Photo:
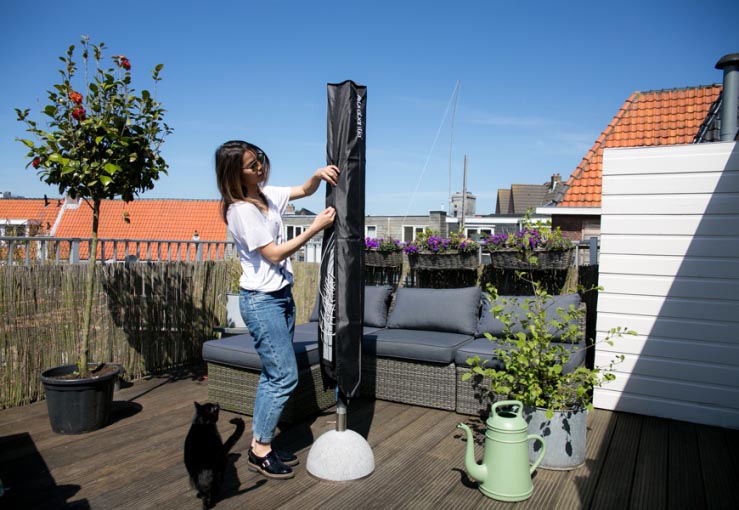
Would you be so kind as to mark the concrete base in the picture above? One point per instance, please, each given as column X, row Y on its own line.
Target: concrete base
column 340, row 456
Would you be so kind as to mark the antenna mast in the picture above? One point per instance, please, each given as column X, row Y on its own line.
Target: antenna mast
column 464, row 196
column 451, row 140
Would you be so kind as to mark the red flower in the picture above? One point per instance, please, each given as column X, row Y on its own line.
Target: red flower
column 36, row 162
column 79, row 113
column 76, row 97
column 125, row 64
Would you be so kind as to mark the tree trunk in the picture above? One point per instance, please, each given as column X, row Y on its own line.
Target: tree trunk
column 89, row 293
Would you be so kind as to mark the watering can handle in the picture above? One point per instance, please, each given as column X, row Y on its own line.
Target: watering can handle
column 541, row 454
column 502, row 403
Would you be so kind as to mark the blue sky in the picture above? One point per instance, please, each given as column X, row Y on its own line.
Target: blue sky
column 539, row 81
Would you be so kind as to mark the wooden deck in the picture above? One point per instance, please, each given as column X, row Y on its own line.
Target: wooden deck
column 633, row 462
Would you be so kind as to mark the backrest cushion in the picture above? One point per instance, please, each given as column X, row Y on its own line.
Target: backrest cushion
column 376, row 303
column 452, row 310
column 489, row 324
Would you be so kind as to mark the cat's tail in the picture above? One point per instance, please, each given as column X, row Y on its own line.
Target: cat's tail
column 231, row 441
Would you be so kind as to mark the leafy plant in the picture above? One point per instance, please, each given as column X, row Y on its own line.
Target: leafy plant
column 534, row 360
column 234, row 274
column 431, row 241
column 382, row 244
column 100, row 141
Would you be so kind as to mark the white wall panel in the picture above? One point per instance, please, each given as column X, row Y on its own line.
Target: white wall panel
column 676, row 224
column 700, row 333
column 669, row 267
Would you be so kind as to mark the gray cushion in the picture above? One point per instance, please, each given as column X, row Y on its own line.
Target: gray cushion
column 485, row 349
column 479, row 347
column 416, row 345
column 451, row 310
column 376, row 303
column 308, row 332
column 489, row 324
column 238, row 350
column 314, row 313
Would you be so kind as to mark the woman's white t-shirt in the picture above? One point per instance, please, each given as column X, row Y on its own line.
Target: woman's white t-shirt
column 251, row 230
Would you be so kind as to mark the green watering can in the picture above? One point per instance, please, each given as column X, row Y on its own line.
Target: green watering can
column 505, row 472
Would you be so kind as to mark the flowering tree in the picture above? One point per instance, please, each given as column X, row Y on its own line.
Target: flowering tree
column 100, row 141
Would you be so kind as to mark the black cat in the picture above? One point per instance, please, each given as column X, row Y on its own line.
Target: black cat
column 206, row 454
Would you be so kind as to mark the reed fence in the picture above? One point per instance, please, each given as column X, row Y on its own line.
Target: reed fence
column 149, row 317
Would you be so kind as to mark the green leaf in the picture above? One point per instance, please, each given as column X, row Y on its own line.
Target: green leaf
column 111, row 168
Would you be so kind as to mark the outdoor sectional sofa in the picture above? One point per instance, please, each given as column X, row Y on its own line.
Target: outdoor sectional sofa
column 414, row 349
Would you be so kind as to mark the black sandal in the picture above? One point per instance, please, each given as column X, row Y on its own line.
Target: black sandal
column 270, row 465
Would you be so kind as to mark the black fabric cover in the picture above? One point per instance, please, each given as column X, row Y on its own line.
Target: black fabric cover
column 342, row 262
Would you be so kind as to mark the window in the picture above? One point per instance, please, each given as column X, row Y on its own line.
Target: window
column 410, row 232
column 477, row 233
column 370, row 231
column 13, row 230
column 294, row 231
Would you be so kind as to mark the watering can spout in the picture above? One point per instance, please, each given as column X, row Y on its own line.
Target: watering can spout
column 478, row 472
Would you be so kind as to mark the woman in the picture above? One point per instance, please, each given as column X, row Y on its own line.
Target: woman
column 253, row 212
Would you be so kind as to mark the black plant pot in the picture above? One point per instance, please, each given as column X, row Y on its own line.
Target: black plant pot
column 78, row 405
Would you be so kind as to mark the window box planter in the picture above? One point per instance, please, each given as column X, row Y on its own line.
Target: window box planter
column 377, row 258
column 443, row 260
column 514, row 258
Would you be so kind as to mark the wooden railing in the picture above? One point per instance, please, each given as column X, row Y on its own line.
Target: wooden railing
column 69, row 250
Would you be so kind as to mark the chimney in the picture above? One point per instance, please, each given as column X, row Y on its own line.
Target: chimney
column 730, row 96
column 71, row 202
column 556, row 179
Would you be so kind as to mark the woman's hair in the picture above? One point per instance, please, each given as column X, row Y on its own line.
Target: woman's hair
column 229, row 171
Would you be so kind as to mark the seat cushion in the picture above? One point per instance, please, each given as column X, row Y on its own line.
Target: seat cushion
column 485, row 349
column 450, row 310
column 414, row 345
column 239, row 351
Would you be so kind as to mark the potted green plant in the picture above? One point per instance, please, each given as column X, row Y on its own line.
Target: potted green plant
column 534, row 355
column 383, row 252
column 100, row 141
column 429, row 250
column 536, row 246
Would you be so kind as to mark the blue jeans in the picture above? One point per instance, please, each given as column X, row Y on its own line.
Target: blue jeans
column 270, row 317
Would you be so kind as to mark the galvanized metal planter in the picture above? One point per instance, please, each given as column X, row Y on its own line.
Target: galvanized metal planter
column 564, row 434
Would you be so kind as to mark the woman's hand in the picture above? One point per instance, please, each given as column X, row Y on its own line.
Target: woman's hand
column 329, row 173
column 324, row 219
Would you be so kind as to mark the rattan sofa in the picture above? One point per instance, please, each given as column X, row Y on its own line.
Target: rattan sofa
column 414, row 350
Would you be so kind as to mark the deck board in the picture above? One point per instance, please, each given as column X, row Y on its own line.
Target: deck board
column 686, row 489
column 136, row 462
column 649, row 490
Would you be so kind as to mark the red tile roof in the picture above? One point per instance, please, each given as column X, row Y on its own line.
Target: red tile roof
column 663, row 117
column 147, row 219
column 37, row 211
